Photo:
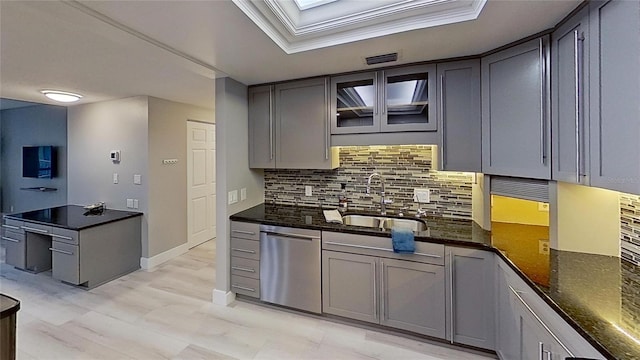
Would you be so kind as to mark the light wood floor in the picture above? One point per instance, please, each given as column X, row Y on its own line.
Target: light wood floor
column 166, row 313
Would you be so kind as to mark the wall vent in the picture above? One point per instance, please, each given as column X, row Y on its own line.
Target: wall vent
column 379, row 59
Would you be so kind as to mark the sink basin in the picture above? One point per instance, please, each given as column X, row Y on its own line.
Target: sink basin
column 386, row 223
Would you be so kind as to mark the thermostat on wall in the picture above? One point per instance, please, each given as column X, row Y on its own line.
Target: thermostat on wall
column 115, row 155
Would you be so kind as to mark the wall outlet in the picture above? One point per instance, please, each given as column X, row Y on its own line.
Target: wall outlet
column 308, row 190
column 115, row 178
column 243, row 194
column 421, row 195
column 233, row 197
column 543, row 206
column 543, row 246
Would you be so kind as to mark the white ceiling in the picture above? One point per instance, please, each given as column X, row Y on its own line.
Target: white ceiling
column 173, row 49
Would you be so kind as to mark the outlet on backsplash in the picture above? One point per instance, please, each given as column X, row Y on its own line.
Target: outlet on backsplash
column 404, row 168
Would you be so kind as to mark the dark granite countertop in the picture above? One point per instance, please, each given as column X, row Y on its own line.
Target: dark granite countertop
column 72, row 217
column 598, row 295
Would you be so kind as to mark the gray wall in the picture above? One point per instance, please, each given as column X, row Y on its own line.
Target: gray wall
column 26, row 126
column 168, row 183
column 232, row 167
column 93, row 131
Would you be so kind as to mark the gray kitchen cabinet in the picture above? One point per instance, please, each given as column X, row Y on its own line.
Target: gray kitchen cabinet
column 302, row 126
column 508, row 346
column 537, row 342
column 14, row 242
column 350, row 286
column 65, row 260
column 411, row 296
column 289, row 126
column 470, row 296
column 245, row 258
column 395, row 100
column 261, row 127
column 515, row 111
column 614, row 76
column 459, row 116
column 570, row 81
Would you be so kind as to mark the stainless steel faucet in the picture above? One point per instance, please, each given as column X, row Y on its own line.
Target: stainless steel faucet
column 383, row 202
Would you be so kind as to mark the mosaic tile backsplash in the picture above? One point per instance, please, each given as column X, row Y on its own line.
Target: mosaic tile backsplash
column 403, row 167
column 630, row 227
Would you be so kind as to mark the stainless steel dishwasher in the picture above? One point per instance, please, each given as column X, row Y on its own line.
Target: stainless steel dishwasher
column 290, row 272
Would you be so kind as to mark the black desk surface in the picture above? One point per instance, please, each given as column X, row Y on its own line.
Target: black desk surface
column 72, row 217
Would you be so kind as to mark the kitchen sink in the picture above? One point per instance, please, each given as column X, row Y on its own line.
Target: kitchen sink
column 385, row 223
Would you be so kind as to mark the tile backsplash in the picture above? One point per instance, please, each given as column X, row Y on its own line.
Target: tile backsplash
column 404, row 167
column 630, row 227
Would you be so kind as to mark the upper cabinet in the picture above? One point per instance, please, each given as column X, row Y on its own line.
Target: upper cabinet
column 614, row 93
column 459, row 116
column 515, row 111
column 289, row 126
column 400, row 99
column 570, row 50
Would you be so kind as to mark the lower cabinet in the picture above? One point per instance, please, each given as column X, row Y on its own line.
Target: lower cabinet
column 13, row 240
column 65, row 260
column 245, row 258
column 402, row 294
column 470, row 296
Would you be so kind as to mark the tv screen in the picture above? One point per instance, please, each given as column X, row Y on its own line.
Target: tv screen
column 39, row 162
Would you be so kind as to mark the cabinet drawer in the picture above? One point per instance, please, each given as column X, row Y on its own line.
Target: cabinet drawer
column 248, row 249
column 245, row 286
column 15, row 247
column 245, row 267
column 64, row 235
column 36, row 228
column 245, row 230
column 11, row 224
column 66, row 262
column 13, row 234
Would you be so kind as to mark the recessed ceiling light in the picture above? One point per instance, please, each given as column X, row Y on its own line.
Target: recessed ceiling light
column 61, row 96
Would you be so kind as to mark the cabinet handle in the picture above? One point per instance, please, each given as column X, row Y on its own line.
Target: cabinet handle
column 243, row 232
column 61, row 237
column 10, row 239
column 243, row 269
column 244, row 251
column 540, row 350
column 451, row 295
column 243, row 288
column 376, row 248
column 517, row 294
column 443, row 116
column 61, row 251
column 10, row 227
column 577, row 39
column 26, row 228
column 328, row 118
column 271, row 90
column 384, row 93
column 542, row 85
column 375, row 93
column 375, row 291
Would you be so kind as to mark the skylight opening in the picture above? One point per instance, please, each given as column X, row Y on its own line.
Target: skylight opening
column 309, row 4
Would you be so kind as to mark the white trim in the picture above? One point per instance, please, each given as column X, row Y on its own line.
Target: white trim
column 148, row 263
column 224, row 298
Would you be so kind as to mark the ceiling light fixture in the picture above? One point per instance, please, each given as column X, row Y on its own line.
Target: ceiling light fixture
column 61, row 96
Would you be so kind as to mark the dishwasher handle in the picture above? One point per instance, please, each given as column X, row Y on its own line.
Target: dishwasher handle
column 293, row 236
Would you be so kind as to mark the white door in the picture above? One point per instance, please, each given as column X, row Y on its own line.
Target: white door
column 201, row 182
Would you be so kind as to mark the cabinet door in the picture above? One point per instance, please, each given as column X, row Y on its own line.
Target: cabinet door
column 408, row 99
column 349, row 286
column 470, row 294
column 537, row 342
column 15, row 248
column 354, row 104
column 261, row 128
column 508, row 346
column 412, row 297
column 66, row 262
column 302, row 125
column 614, row 92
column 459, row 116
column 570, row 80
column 515, row 112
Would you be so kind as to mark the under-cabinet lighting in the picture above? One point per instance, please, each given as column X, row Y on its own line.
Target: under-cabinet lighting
column 61, row 96
column 626, row 333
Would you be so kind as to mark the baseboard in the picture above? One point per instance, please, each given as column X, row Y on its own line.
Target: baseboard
column 224, row 298
column 148, row 263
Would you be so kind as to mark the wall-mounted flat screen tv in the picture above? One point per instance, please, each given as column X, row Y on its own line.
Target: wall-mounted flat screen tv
column 39, row 162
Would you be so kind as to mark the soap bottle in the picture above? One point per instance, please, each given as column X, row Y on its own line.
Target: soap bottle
column 342, row 198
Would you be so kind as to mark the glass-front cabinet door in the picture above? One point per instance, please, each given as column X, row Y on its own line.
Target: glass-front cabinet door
column 354, row 103
column 408, row 99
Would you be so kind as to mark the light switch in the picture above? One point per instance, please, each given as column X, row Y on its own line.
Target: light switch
column 137, row 179
column 115, row 178
column 130, row 203
column 233, row 197
column 135, row 203
column 243, row 194
column 308, row 190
